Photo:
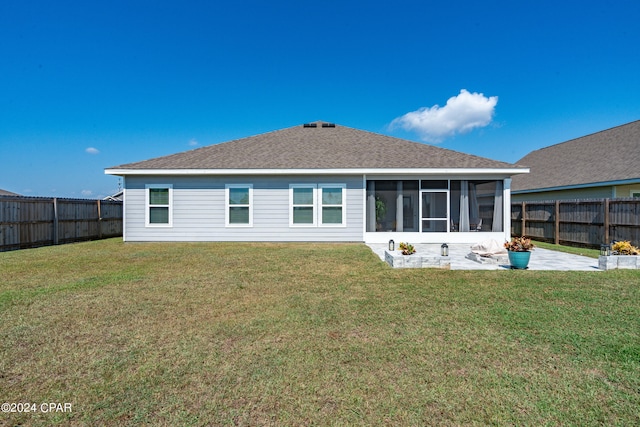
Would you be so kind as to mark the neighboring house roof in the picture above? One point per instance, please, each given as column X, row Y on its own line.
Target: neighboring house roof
column 7, row 193
column 608, row 157
column 118, row 197
column 316, row 146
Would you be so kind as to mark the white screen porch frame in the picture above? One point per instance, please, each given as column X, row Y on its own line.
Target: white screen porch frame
column 441, row 237
column 432, row 216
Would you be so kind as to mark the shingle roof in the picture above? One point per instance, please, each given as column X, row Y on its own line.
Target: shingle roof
column 7, row 193
column 324, row 146
column 606, row 156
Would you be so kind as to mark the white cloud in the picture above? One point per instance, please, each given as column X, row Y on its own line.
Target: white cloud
column 92, row 150
column 86, row 193
column 193, row 142
column 462, row 114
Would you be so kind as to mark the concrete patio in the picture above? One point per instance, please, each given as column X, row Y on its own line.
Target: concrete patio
column 541, row 259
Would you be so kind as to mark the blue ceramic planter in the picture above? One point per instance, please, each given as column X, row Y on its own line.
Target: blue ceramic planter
column 519, row 260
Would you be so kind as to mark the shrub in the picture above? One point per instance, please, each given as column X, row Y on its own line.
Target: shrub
column 406, row 248
column 624, row 247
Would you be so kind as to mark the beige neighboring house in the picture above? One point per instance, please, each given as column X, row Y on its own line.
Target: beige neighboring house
column 605, row 164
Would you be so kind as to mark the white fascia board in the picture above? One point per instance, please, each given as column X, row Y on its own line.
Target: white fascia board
column 244, row 172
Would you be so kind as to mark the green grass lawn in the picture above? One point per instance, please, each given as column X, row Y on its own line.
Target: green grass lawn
column 310, row 334
column 591, row 253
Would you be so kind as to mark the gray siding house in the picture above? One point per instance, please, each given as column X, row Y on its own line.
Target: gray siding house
column 317, row 182
column 605, row 164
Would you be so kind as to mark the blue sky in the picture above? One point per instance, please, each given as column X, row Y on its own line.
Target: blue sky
column 89, row 85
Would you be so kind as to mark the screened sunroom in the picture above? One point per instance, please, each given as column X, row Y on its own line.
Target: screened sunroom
column 437, row 210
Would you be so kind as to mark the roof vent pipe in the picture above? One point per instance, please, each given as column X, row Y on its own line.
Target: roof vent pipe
column 328, row 125
column 310, row 125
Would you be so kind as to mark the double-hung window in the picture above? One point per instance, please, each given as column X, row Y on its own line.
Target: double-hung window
column 314, row 205
column 303, row 205
column 239, row 205
column 159, row 198
column 332, row 202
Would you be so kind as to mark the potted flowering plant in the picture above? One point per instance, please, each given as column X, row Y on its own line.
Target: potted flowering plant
column 519, row 251
column 406, row 248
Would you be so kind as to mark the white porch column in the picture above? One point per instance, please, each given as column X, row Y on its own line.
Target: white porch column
column 399, row 208
column 371, row 206
column 506, row 213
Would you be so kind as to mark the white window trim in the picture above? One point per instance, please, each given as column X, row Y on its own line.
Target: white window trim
column 227, row 205
column 343, row 205
column 314, row 205
column 633, row 192
column 318, row 205
column 147, row 210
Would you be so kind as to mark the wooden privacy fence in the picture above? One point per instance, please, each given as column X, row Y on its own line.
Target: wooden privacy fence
column 29, row 222
column 584, row 222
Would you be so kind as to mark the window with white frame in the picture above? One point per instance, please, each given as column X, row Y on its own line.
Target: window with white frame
column 314, row 205
column 332, row 204
column 239, row 205
column 158, row 198
column 302, row 205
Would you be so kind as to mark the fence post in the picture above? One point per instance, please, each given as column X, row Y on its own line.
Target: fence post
column 556, row 237
column 55, row 221
column 99, row 220
column 523, row 219
column 606, row 221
